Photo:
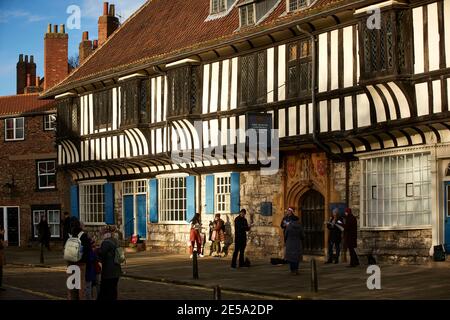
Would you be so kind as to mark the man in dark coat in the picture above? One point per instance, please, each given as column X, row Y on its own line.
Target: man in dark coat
column 294, row 244
column 111, row 271
column 241, row 228
column 336, row 226
column 288, row 217
column 66, row 227
column 351, row 236
column 44, row 232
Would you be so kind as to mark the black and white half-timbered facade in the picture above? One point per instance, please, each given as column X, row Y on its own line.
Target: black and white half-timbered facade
column 355, row 94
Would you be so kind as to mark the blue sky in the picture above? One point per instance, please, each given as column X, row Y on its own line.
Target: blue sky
column 23, row 24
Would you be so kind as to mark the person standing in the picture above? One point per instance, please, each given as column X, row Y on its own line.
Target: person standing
column 351, row 236
column 2, row 256
column 335, row 227
column 218, row 235
column 76, row 230
column 294, row 245
column 44, row 232
column 111, row 270
column 241, row 228
column 195, row 235
column 288, row 217
column 66, row 227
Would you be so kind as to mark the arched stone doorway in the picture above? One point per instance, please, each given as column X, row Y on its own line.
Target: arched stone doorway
column 312, row 212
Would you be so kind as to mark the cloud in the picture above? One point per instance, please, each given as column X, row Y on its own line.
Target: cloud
column 7, row 15
column 124, row 8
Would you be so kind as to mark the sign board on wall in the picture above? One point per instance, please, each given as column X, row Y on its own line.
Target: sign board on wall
column 260, row 122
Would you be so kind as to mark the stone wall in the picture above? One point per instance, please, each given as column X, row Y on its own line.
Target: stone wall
column 263, row 240
column 397, row 246
column 265, row 237
column 338, row 172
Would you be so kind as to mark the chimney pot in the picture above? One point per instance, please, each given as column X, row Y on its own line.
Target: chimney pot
column 105, row 8
column 62, row 29
column 20, row 57
column 49, row 28
column 55, row 28
column 26, row 59
column 85, row 35
column 31, row 59
column 37, row 81
column 28, row 80
column 95, row 44
column 112, row 10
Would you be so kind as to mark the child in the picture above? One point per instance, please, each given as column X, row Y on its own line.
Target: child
column 91, row 272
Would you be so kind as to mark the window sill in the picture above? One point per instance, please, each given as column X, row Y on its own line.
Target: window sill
column 93, row 224
column 399, row 228
column 181, row 223
column 46, row 190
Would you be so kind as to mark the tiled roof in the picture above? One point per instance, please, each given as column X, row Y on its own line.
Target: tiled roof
column 163, row 28
column 24, row 104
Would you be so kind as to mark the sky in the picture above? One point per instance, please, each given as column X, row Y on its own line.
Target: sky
column 23, row 24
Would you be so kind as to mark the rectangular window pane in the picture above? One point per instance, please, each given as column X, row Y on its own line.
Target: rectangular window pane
column 172, row 199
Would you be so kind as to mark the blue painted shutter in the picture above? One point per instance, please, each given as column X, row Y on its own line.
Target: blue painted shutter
column 109, row 203
column 141, row 216
column 210, row 194
column 153, row 187
column 128, row 210
column 235, row 192
column 190, row 198
column 74, row 206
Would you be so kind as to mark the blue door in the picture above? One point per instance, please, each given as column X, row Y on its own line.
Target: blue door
column 447, row 216
column 141, row 205
column 128, row 207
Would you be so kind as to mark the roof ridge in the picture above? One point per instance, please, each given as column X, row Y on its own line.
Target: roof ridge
column 21, row 95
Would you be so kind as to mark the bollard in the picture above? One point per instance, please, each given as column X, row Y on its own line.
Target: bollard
column 42, row 254
column 217, row 293
column 195, row 265
column 314, row 281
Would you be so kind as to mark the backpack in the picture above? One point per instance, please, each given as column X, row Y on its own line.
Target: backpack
column 223, row 226
column 73, row 249
column 439, row 253
column 119, row 254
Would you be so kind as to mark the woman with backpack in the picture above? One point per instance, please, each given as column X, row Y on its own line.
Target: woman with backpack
column 111, row 269
column 79, row 240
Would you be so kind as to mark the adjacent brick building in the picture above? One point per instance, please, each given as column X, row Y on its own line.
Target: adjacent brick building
column 29, row 184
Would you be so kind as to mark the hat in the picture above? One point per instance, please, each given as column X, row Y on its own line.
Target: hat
column 291, row 209
column 348, row 210
column 217, row 215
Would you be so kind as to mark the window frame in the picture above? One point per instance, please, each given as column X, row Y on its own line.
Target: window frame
column 38, row 175
column 399, row 51
column 46, row 209
column 82, row 203
column 307, row 4
column 220, row 8
column 297, row 63
column 14, row 129
column 103, row 110
column 246, row 8
column 397, row 192
column 48, row 121
column 226, row 195
column 165, row 202
column 257, row 86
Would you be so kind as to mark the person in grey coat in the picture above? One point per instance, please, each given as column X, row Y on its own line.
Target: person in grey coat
column 111, row 271
column 294, row 244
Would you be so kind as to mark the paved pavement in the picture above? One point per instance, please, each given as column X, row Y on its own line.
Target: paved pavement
column 162, row 276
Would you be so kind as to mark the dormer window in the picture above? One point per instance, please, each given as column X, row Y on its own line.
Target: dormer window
column 247, row 13
column 294, row 5
column 218, row 6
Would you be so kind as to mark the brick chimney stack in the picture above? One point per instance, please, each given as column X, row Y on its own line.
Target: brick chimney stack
column 21, row 69
column 56, row 66
column 85, row 48
column 107, row 23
